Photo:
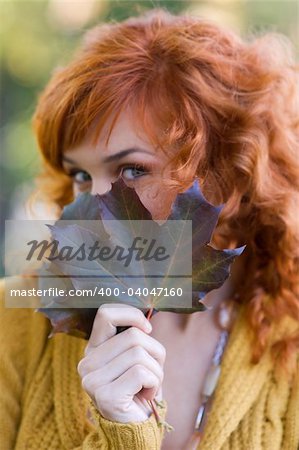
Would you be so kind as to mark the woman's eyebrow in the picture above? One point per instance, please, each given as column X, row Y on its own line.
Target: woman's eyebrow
column 124, row 153
column 69, row 160
column 114, row 157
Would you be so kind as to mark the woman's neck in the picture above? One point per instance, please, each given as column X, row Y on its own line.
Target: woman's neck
column 185, row 323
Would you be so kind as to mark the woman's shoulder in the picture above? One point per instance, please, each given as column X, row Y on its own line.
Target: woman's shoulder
column 15, row 304
column 24, row 331
column 23, row 339
column 19, row 326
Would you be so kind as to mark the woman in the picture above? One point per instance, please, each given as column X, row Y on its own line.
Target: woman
column 160, row 100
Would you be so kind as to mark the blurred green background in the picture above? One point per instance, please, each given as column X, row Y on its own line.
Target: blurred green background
column 37, row 36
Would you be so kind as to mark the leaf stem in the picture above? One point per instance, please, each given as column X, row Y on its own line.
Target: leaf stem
column 150, row 313
column 156, row 414
column 150, row 402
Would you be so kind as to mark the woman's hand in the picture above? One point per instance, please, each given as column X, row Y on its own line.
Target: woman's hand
column 121, row 371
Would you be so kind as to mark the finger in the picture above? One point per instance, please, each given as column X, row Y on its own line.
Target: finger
column 119, row 344
column 148, row 393
column 133, row 381
column 142, row 395
column 109, row 316
column 119, row 365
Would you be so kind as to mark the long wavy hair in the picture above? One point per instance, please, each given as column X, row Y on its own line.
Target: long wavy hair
column 230, row 108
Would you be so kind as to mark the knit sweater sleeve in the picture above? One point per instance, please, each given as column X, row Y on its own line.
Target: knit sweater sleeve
column 291, row 418
column 15, row 326
column 12, row 370
column 111, row 435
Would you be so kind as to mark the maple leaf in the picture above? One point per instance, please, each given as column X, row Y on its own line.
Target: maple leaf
column 118, row 216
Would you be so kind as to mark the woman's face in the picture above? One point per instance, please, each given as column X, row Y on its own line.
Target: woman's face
column 128, row 155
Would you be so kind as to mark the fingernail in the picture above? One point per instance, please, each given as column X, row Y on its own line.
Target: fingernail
column 148, row 326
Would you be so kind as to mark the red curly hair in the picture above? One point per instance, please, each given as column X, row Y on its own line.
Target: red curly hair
column 230, row 107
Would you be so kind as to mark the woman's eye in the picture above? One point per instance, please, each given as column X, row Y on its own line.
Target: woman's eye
column 81, row 177
column 131, row 173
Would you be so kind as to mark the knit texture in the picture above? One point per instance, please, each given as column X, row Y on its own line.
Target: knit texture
column 43, row 405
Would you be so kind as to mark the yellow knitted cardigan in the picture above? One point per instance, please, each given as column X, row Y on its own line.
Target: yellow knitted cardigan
column 43, row 406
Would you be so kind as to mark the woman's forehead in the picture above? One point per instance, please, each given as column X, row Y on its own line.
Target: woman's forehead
column 121, row 130
column 124, row 133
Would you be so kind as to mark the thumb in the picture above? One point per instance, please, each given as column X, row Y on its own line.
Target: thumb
column 148, row 393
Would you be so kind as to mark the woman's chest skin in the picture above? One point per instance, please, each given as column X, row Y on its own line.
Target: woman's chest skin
column 188, row 357
column 183, row 379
